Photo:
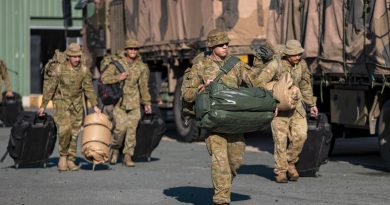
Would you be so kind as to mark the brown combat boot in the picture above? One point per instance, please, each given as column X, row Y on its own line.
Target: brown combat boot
column 292, row 173
column 62, row 166
column 72, row 166
column 114, row 156
column 127, row 161
column 281, row 177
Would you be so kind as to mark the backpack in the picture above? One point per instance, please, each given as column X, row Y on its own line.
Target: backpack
column 110, row 93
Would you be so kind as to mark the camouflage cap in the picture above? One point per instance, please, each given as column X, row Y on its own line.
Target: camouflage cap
column 293, row 47
column 131, row 43
column 217, row 37
column 73, row 49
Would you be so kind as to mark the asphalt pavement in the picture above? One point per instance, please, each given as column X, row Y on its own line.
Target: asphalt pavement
column 179, row 173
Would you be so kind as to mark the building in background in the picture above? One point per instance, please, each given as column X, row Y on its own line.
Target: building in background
column 31, row 31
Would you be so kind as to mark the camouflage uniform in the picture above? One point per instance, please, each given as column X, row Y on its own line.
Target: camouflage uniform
column 127, row 111
column 226, row 150
column 289, row 128
column 65, row 87
column 5, row 78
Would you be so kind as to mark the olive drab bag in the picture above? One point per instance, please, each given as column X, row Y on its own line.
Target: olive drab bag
column 110, row 93
column 233, row 110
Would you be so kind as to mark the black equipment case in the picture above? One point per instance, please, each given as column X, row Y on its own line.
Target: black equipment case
column 11, row 107
column 32, row 139
column 150, row 130
column 316, row 148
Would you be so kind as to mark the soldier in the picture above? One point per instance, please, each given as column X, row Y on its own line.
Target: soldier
column 226, row 150
column 65, row 84
column 289, row 126
column 127, row 111
column 5, row 78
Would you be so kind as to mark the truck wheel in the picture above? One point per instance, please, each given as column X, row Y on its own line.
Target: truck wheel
column 383, row 130
column 188, row 132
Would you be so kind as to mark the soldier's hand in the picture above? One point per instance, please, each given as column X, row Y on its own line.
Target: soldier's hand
column 96, row 109
column 202, row 87
column 314, row 111
column 123, row 76
column 9, row 94
column 41, row 112
column 148, row 109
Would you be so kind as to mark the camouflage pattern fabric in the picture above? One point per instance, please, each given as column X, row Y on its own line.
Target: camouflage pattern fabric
column 291, row 124
column 127, row 111
column 4, row 77
column 289, row 131
column 125, row 129
column 226, row 150
column 65, row 87
column 206, row 69
column 135, row 86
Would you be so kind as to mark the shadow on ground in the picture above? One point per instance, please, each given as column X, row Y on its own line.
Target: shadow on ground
column 198, row 195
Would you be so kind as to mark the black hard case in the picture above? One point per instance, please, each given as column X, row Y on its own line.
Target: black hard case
column 316, row 148
column 32, row 139
column 150, row 130
column 11, row 107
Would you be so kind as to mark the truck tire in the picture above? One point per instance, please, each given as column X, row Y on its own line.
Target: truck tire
column 383, row 130
column 188, row 132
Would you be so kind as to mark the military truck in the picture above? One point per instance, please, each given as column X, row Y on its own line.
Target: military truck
column 173, row 32
column 346, row 46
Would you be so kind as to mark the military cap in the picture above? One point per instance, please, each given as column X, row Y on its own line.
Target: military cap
column 73, row 49
column 131, row 43
column 217, row 37
column 293, row 47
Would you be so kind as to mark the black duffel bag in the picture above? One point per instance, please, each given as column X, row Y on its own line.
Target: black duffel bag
column 233, row 110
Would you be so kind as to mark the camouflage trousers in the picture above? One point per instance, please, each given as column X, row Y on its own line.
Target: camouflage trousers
column 126, row 123
column 289, row 131
column 68, row 122
column 226, row 152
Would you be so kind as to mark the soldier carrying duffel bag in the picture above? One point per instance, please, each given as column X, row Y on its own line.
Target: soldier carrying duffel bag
column 224, row 109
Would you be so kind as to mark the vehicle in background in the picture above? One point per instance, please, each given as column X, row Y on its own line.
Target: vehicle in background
column 347, row 49
column 173, row 32
column 346, row 46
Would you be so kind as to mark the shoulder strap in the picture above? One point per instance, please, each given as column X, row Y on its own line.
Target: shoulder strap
column 230, row 63
column 117, row 65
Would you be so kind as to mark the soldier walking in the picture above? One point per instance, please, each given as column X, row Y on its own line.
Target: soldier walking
column 226, row 150
column 64, row 84
column 4, row 77
column 289, row 128
column 127, row 111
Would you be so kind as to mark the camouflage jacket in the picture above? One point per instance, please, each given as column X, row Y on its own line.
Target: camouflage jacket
column 4, row 77
column 135, row 86
column 205, row 69
column 65, row 86
column 300, row 74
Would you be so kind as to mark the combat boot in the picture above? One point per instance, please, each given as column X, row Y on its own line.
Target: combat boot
column 72, row 166
column 292, row 173
column 281, row 177
column 114, row 156
column 127, row 161
column 62, row 166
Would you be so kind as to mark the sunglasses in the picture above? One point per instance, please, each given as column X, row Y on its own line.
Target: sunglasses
column 222, row 45
column 136, row 49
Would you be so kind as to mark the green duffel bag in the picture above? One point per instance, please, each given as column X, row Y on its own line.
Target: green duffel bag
column 233, row 110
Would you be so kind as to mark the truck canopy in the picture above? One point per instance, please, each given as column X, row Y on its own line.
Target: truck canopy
column 168, row 26
column 343, row 36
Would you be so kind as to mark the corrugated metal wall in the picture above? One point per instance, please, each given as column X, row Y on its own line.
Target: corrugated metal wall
column 16, row 19
column 15, row 42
